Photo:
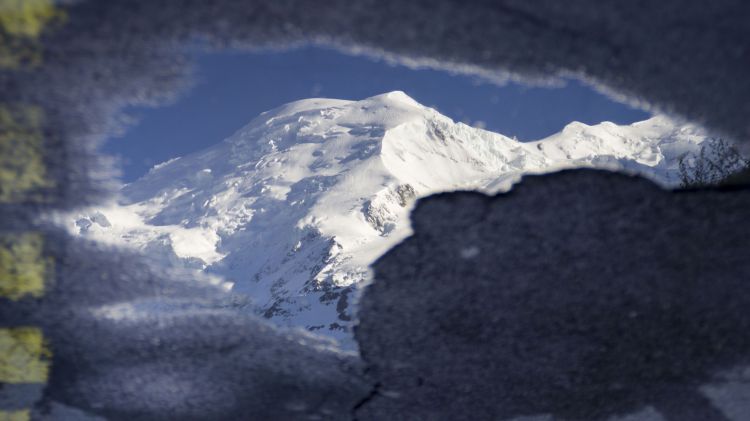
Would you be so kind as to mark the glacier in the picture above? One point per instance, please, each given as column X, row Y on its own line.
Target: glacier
column 289, row 212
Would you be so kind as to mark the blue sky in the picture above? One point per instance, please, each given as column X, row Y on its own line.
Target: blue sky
column 232, row 88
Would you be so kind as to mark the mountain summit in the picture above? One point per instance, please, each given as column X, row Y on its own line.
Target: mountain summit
column 292, row 208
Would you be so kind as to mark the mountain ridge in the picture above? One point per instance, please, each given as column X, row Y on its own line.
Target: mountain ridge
column 293, row 207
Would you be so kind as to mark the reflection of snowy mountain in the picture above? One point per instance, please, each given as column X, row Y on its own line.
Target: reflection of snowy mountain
column 294, row 207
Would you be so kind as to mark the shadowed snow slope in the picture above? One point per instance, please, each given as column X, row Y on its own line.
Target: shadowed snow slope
column 293, row 208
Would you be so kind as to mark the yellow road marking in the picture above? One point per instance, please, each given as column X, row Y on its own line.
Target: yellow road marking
column 23, row 267
column 24, row 357
column 27, row 18
column 21, row 24
column 22, row 415
column 23, row 172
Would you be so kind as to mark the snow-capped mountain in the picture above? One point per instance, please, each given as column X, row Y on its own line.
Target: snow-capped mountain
column 293, row 207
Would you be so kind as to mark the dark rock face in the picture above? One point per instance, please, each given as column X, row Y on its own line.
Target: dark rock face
column 582, row 294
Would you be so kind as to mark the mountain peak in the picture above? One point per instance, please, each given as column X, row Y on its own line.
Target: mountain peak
column 395, row 96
